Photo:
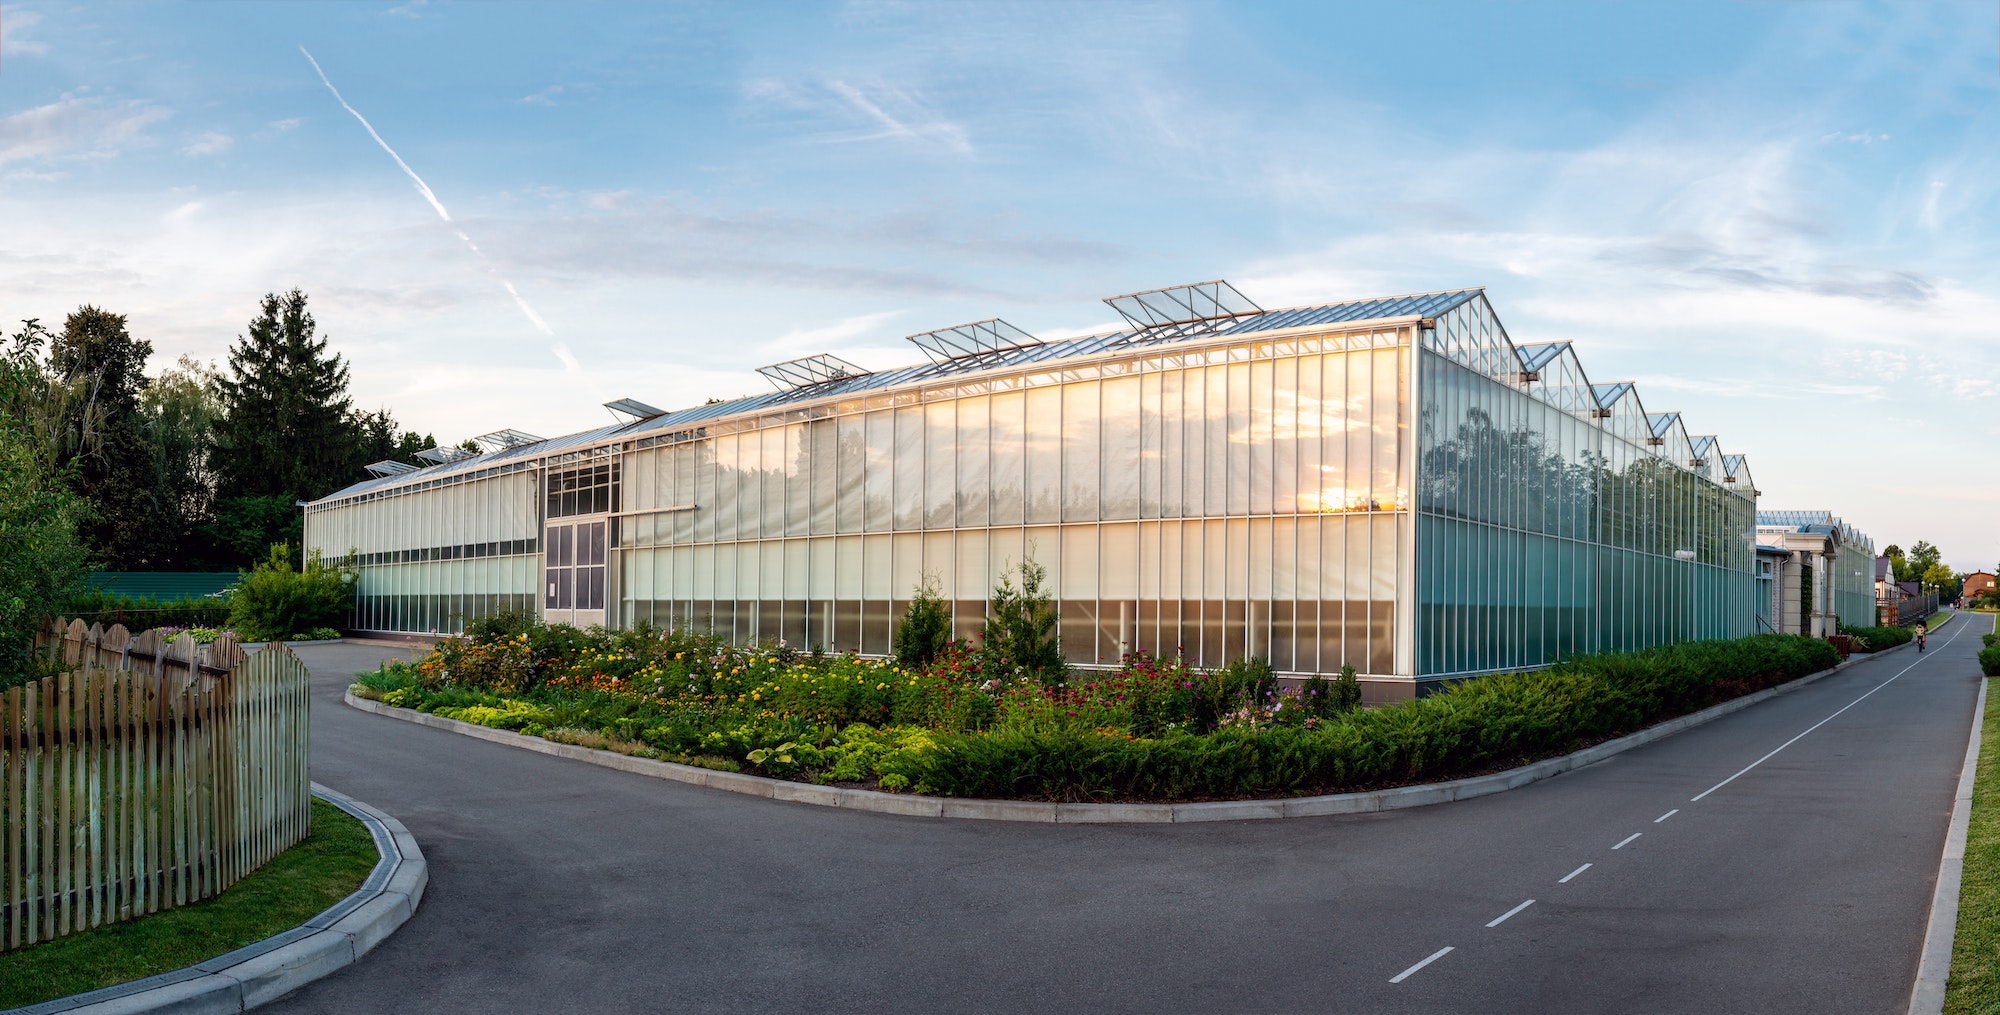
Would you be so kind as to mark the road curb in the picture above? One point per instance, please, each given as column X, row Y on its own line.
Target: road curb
column 254, row 974
column 1076, row 813
column 1927, row 996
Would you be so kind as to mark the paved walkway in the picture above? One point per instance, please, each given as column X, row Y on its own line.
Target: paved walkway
column 1802, row 885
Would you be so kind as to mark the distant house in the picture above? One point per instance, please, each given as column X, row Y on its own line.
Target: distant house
column 1974, row 584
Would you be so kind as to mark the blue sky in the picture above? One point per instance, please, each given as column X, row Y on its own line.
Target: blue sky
column 1778, row 219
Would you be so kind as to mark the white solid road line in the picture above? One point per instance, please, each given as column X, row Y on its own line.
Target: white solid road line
column 1627, row 840
column 1502, row 918
column 1574, row 873
column 1667, row 815
column 1434, row 956
column 1822, row 722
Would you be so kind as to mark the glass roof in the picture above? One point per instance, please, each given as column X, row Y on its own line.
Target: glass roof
column 1535, row 357
column 823, row 377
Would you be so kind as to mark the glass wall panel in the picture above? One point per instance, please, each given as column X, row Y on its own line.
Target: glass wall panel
column 1009, row 451
column 909, row 467
column 971, row 494
column 941, row 470
column 1044, row 454
column 1123, row 454
column 879, row 472
column 1081, row 447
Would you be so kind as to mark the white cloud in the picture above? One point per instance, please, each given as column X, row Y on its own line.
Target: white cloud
column 12, row 25
column 545, row 97
column 286, row 124
column 827, row 337
column 865, row 111
column 75, row 126
column 210, row 142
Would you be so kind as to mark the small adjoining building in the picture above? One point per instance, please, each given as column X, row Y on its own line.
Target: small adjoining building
column 1823, row 572
column 1392, row 484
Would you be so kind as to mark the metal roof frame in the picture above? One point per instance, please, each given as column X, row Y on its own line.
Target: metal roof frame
column 809, row 371
column 1182, row 309
column 977, row 339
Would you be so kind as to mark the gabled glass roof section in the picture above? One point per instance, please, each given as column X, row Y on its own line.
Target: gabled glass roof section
column 1804, row 521
column 1535, row 357
column 1609, row 394
column 1661, row 422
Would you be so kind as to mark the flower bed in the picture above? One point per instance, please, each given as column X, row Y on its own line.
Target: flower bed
column 1152, row 729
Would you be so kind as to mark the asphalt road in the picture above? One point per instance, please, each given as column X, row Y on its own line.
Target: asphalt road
column 1802, row 885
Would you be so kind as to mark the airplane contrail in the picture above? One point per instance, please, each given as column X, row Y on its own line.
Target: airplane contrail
column 561, row 351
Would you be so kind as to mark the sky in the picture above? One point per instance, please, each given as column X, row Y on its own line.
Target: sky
column 1779, row 220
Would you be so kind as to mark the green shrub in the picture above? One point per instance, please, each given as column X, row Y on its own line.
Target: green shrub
column 42, row 560
column 139, row 613
column 1150, row 730
column 1875, row 639
column 274, row 600
column 1020, row 638
column 1482, row 723
column 1989, row 660
column 502, row 626
column 926, row 626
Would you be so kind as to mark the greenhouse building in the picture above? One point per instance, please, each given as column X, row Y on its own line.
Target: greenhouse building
column 1389, row 484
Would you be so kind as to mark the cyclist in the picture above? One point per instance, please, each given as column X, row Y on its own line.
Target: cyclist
column 1922, row 629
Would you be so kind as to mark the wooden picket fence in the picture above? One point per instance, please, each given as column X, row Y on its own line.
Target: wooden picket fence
column 148, row 776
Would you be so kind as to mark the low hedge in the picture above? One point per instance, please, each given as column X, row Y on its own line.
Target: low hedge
column 140, row 613
column 1989, row 660
column 1481, row 724
column 1875, row 639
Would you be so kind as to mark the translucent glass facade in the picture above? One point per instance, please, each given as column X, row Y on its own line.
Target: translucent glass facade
column 1556, row 517
column 436, row 552
column 1390, row 485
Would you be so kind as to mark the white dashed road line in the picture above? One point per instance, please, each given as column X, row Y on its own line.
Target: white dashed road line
column 1434, row 956
column 1622, row 843
column 1817, row 725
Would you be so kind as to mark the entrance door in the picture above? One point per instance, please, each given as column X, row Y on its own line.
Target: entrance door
column 573, row 573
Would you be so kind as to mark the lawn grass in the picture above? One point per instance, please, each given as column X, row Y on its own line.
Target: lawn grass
column 328, row 865
column 1975, row 948
column 1936, row 620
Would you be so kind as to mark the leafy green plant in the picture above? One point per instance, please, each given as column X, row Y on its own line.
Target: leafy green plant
column 42, row 558
column 275, row 600
column 1020, row 638
column 926, row 626
column 1989, row 660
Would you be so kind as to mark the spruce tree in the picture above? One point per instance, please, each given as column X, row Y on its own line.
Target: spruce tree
column 286, row 434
